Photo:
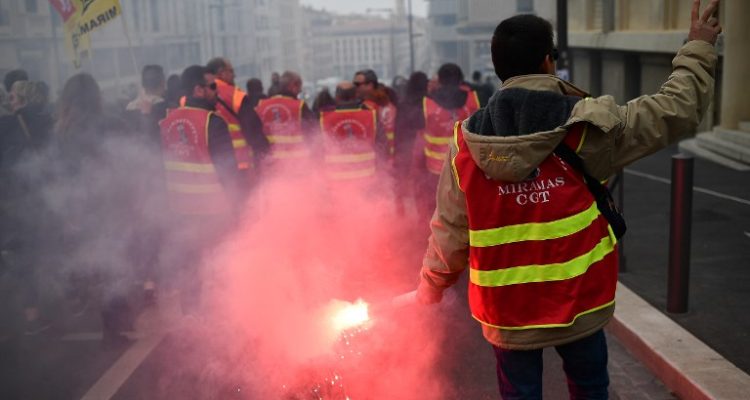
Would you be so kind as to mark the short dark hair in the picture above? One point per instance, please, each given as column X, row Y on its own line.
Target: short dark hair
column 254, row 86
column 192, row 76
column 13, row 77
column 416, row 88
column 450, row 74
column 370, row 76
column 215, row 65
column 152, row 77
column 346, row 94
column 174, row 88
column 520, row 44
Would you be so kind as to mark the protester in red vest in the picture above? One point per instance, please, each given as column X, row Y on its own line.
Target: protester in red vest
column 380, row 98
column 349, row 137
column 513, row 206
column 287, row 121
column 204, row 185
column 448, row 103
column 198, row 150
column 238, row 111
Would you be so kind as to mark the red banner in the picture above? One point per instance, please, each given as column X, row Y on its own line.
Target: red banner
column 66, row 8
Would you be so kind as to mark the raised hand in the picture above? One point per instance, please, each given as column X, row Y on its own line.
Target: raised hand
column 706, row 27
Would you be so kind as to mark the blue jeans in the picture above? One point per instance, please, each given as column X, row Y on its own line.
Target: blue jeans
column 519, row 372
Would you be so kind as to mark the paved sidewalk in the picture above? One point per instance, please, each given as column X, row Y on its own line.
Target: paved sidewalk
column 631, row 380
column 720, row 253
column 474, row 373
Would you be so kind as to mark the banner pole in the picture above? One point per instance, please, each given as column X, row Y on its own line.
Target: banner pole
column 130, row 42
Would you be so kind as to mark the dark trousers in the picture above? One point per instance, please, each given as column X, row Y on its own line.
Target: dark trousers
column 519, row 372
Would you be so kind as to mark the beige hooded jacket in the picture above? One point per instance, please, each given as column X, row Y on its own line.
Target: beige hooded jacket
column 616, row 136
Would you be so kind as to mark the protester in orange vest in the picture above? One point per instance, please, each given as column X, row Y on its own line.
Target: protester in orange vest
column 287, row 121
column 448, row 103
column 349, row 137
column 516, row 202
column 203, row 183
column 378, row 97
column 237, row 110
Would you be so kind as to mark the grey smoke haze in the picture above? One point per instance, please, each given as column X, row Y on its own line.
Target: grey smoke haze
column 419, row 7
column 300, row 245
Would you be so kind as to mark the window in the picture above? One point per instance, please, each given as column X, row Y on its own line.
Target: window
column 154, row 16
column 4, row 20
column 136, row 17
column 444, row 20
column 31, row 6
column 525, row 6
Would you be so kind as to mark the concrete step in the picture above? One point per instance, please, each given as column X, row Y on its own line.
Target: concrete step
column 691, row 146
column 745, row 126
column 719, row 144
column 686, row 365
column 738, row 137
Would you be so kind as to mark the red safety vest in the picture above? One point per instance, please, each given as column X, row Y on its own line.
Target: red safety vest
column 438, row 130
column 387, row 116
column 192, row 183
column 282, row 125
column 349, row 139
column 540, row 252
column 232, row 97
column 474, row 97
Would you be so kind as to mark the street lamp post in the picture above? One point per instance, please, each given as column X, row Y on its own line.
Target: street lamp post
column 392, row 17
column 566, row 60
column 411, row 41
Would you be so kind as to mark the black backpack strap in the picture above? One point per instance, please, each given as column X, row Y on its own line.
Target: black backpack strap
column 604, row 201
column 226, row 106
column 573, row 159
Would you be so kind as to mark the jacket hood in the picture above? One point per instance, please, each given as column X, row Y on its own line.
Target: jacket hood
column 521, row 125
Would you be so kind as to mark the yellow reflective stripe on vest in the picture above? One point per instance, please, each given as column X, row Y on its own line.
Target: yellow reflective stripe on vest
column 289, row 153
column 520, row 328
column 434, row 154
column 239, row 143
column 234, row 127
column 349, row 158
column 437, row 139
column 456, row 127
column 546, row 272
column 285, row 139
column 534, row 230
column 189, row 167
column 353, row 174
column 390, row 135
column 194, row 187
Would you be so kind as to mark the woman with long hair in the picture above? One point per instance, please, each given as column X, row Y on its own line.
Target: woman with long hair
column 91, row 190
column 23, row 135
column 80, row 104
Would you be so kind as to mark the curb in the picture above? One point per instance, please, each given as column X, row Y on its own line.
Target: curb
column 687, row 366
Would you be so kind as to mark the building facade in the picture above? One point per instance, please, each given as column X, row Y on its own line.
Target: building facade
column 461, row 30
column 625, row 49
column 170, row 33
column 338, row 46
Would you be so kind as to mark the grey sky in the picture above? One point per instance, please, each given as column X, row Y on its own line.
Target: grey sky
column 419, row 7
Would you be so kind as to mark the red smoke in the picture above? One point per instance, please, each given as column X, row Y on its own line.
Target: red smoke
column 303, row 246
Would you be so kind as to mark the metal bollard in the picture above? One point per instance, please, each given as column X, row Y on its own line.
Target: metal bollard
column 621, row 206
column 678, row 278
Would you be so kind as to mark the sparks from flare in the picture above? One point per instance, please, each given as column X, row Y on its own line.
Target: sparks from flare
column 349, row 315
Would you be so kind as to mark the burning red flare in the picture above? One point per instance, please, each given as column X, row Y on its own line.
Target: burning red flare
column 345, row 315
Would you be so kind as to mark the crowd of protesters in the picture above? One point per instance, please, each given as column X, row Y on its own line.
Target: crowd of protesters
column 69, row 188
